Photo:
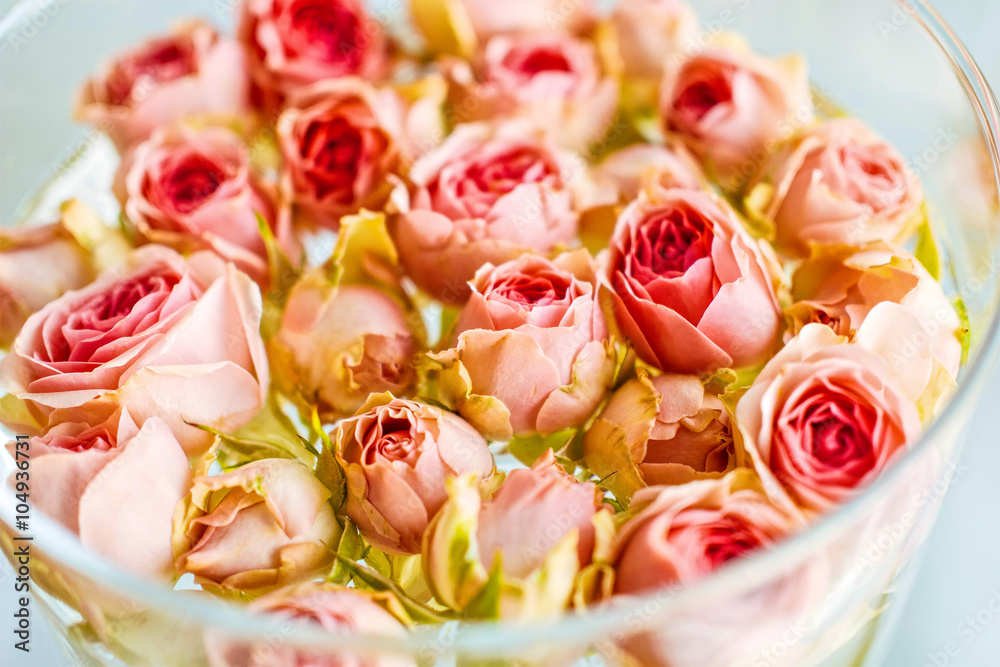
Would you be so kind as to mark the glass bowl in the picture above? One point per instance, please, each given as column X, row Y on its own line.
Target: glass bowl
column 828, row 596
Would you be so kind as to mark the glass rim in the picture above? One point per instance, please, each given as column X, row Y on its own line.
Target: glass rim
column 499, row 637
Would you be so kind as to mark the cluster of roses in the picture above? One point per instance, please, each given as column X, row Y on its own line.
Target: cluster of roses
column 642, row 263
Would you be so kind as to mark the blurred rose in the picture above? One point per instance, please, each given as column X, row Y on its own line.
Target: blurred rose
column 840, row 286
column 486, row 195
column 531, row 353
column 469, row 21
column 732, row 107
column 651, row 32
column 660, row 430
column 825, row 417
column 114, row 485
column 396, row 455
column 345, row 343
column 193, row 189
column 168, row 337
column 551, row 79
column 539, row 529
column 640, row 167
column 193, row 71
column 339, row 611
column 291, row 44
column 268, row 523
column 37, row 265
column 837, row 183
column 692, row 291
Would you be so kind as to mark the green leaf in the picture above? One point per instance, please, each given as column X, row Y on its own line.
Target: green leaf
column 364, row 253
column 927, row 250
column 418, row 611
column 486, row 604
column 350, row 548
column 328, row 470
column 527, row 449
column 965, row 330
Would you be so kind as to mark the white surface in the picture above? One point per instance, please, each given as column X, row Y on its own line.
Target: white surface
column 960, row 576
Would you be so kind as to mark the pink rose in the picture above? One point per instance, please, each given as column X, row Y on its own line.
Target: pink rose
column 531, row 353
column 840, row 286
column 340, row 140
column 651, row 32
column 346, row 343
column 640, row 167
column 667, row 429
column 732, row 108
column 551, row 79
column 824, row 418
column 114, row 484
column 339, row 611
column 397, row 455
column 291, row 44
column 193, row 189
column 485, row 195
column 37, row 265
column 193, row 71
column 168, row 337
column 692, row 291
column 837, row 183
column 267, row 523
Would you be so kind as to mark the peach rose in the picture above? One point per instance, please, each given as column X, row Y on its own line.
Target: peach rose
column 397, row 455
column 168, row 337
column 644, row 166
column 551, row 79
column 836, row 183
column 487, row 194
column 191, row 72
column 266, row 524
column 531, row 352
column 345, row 343
column 825, row 417
column 667, row 429
column 193, row 189
column 652, row 32
column 291, row 44
column 732, row 107
column 113, row 484
column 692, row 291
column 339, row 611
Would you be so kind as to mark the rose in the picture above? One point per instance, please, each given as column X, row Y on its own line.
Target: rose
column 487, row 194
column 168, row 337
column 193, row 71
column 651, row 32
column 659, row 430
column 456, row 26
column 340, row 141
column 531, row 539
column 551, row 79
column 267, row 523
column 396, row 456
column 193, row 189
column 37, row 265
column 836, row 183
column 339, row 611
column 731, row 107
column 291, row 44
column 643, row 166
column 113, row 484
column 531, row 351
column 839, row 287
column 824, row 418
column 691, row 290
column 345, row 343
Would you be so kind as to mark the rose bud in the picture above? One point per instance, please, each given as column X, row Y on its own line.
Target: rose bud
column 551, row 79
column 535, row 534
column 836, row 184
column 193, row 189
column 266, row 524
column 191, row 72
column 659, row 430
column 113, row 484
column 732, row 108
column 531, row 353
column 166, row 336
column 397, row 456
column 824, row 418
column 339, row 611
column 692, row 291
column 651, row 32
column 291, row 44
column 839, row 287
column 486, row 195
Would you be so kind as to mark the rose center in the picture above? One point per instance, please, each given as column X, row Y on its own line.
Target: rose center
column 327, row 30
column 872, row 178
column 703, row 94
column 332, row 150
column 504, row 173
column 164, row 60
column 533, row 290
column 543, row 60
column 669, row 243
column 394, row 442
column 729, row 538
column 193, row 182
